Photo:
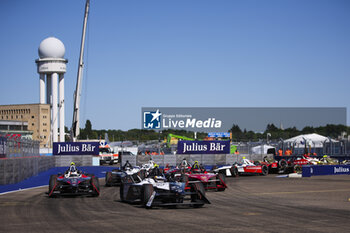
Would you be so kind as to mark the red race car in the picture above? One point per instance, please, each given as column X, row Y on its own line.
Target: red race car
column 246, row 167
column 210, row 181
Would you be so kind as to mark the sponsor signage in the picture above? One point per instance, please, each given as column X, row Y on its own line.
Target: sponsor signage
column 202, row 119
column 219, row 135
column 75, row 148
column 319, row 170
column 203, row 147
column 3, row 142
column 180, row 118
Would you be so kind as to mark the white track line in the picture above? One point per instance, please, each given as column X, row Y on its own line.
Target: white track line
column 19, row 190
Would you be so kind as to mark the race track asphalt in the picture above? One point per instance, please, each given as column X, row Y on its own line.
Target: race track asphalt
column 250, row 204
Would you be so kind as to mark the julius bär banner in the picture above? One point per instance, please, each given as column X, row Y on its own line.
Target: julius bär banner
column 75, row 148
column 203, row 147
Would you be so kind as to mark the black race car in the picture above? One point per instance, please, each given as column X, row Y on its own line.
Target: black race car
column 157, row 191
column 73, row 183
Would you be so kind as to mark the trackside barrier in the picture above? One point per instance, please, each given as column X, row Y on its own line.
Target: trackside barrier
column 79, row 160
column 20, row 147
column 14, row 170
column 321, row 170
column 205, row 159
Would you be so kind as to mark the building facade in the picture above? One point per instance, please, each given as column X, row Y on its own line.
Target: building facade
column 37, row 117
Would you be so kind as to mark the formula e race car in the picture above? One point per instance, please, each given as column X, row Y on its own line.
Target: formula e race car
column 116, row 176
column 246, row 167
column 210, row 181
column 272, row 165
column 73, row 183
column 156, row 191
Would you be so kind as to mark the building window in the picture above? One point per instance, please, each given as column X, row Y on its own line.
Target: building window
column 32, row 117
column 32, row 124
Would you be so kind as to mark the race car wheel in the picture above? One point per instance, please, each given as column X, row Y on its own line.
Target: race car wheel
column 220, row 177
column 234, row 171
column 52, row 185
column 121, row 192
column 283, row 165
column 146, row 193
column 143, row 174
column 197, row 196
column 95, row 186
column 108, row 179
column 264, row 170
column 297, row 168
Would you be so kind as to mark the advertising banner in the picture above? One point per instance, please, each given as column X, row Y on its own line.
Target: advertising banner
column 75, row 148
column 211, row 120
column 203, row 147
column 3, row 142
column 219, row 135
column 319, row 170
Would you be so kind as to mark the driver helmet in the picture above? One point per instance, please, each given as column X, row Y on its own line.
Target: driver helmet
column 155, row 165
column 72, row 167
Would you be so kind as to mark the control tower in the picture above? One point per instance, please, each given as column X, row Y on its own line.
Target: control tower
column 51, row 68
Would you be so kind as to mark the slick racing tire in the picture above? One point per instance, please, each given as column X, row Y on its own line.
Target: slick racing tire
column 108, row 179
column 234, row 171
column 95, row 186
column 283, row 165
column 264, row 170
column 297, row 168
column 197, row 196
column 121, row 192
column 146, row 193
column 142, row 174
column 52, row 185
column 220, row 177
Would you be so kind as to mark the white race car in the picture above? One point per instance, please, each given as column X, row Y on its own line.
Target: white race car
column 246, row 167
column 157, row 191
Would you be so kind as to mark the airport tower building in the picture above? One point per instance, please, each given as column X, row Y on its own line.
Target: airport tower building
column 51, row 68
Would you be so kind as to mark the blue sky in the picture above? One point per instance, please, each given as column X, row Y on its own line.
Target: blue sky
column 183, row 53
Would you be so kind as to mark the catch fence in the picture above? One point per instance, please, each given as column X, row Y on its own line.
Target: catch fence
column 18, row 147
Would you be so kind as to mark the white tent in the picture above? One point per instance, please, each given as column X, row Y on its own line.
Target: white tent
column 262, row 149
column 313, row 140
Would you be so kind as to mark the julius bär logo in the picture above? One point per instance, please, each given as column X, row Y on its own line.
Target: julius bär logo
column 152, row 120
